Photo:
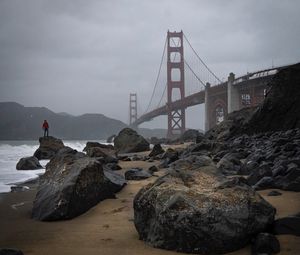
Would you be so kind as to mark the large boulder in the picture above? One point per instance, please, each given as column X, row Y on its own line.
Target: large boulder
column 28, row 163
column 49, row 146
column 96, row 144
column 128, row 141
column 71, row 185
column 195, row 209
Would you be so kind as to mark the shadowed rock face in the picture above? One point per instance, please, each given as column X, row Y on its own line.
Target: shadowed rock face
column 71, row 185
column 195, row 209
column 128, row 141
column 49, row 146
column 28, row 163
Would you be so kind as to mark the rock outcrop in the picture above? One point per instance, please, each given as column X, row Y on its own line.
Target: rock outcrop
column 49, row 146
column 157, row 150
column 281, row 108
column 128, row 141
column 71, row 185
column 195, row 209
column 28, row 163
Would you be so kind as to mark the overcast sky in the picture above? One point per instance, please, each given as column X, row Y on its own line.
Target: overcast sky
column 84, row 56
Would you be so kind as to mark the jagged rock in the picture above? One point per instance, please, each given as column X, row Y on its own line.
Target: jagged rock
column 265, row 243
column 258, row 173
column 113, row 166
column 128, row 141
column 274, row 193
column 49, row 146
column 289, row 225
column 266, row 182
column 230, row 163
column 152, row 169
column 137, row 174
column 281, row 108
column 9, row 251
column 157, row 150
column 197, row 210
column 110, row 139
column 71, row 185
column 169, row 156
column 28, row 163
column 190, row 135
column 99, row 152
column 96, row 144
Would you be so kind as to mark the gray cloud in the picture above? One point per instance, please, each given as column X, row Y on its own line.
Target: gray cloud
column 87, row 56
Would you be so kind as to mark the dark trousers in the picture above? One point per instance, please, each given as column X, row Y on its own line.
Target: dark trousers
column 46, row 132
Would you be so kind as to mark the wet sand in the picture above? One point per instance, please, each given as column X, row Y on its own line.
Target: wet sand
column 107, row 228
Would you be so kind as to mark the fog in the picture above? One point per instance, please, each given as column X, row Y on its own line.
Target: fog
column 84, row 56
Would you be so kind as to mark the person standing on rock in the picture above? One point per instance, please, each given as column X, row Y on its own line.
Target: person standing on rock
column 46, row 128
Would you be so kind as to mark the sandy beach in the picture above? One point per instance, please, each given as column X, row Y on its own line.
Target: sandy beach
column 108, row 227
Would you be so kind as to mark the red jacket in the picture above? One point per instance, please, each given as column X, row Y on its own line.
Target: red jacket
column 45, row 125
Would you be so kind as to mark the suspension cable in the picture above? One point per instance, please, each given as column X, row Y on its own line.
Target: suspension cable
column 201, row 59
column 158, row 74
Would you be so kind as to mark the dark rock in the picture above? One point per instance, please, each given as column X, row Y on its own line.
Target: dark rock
column 72, row 184
column 169, row 156
column 136, row 174
column 9, row 251
column 290, row 181
column 281, row 108
column 128, row 141
column 190, row 135
column 18, row 188
column 99, row 152
column 113, row 182
column 49, row 146
column 157, row 149
column 28, row 163
column 110, row 139
column 96, row 144
column 230, row 163
column 113, row 166
column 274, row 193
column 152, row 169
column 248, row 168
column 192, row 210
column 137, row 158
column 258, row 173
column 265, row 243
column 289, row 225
column 266, row 182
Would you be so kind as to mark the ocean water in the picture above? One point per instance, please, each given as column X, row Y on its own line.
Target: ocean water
column 12, row 151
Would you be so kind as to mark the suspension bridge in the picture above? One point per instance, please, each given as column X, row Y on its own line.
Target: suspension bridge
column 189, row 81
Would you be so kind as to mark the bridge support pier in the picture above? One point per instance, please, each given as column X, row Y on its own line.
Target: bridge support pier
column 233, row 101
column 207, row 108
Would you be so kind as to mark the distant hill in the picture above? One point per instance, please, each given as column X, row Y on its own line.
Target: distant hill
column 24, row 123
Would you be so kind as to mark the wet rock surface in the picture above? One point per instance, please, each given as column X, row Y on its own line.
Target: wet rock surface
column 196, row 209
column 137, row 174
column 128, row 141
column 49, row 146
column 71, row 185
column 289, row 225
column 265, row 243
column 28, row 163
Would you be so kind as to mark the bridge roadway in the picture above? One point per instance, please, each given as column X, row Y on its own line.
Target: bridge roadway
column 199, row 97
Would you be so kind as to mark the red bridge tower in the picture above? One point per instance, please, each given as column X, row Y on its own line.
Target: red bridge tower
column 176, row 118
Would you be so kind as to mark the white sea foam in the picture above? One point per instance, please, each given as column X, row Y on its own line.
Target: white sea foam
column 12, row 151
